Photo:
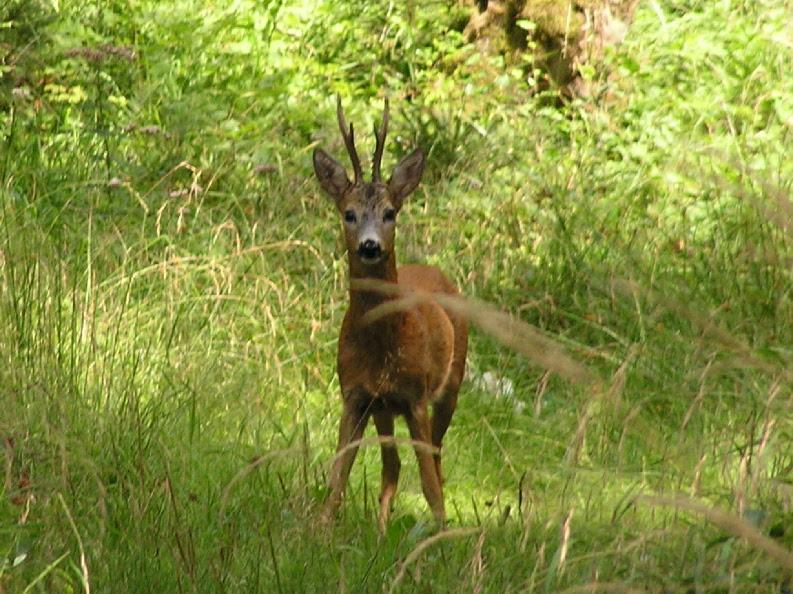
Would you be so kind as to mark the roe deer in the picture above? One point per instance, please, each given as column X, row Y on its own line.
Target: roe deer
column 400, row 363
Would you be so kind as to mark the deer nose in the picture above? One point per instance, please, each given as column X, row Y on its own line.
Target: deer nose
column 369, row 249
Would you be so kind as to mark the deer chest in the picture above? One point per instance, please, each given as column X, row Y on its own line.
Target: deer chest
column 389, row 378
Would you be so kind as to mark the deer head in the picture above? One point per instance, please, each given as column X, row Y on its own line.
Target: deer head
column 368, row 209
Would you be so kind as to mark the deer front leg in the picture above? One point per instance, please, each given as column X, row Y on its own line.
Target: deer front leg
column 419, row 426
column 384, row 422
column 351, row 427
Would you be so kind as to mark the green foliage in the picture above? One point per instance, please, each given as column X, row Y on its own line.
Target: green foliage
column 171, row 287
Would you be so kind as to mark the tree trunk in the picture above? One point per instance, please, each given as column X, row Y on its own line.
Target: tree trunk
column 560, row 36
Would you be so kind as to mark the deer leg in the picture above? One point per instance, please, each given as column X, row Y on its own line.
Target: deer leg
column 419, row 426
column 351, row 427
column 390, row 477
column 442, row 413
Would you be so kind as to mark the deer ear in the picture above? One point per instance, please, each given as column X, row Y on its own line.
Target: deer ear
column 331, row 175
column 406, row 176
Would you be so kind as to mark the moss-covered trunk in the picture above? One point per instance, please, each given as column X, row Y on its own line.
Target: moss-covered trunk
column 559, row 35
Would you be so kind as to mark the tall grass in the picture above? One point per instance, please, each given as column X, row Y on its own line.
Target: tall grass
column 171, row 286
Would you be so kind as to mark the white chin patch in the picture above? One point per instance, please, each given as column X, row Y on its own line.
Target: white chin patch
column 372, row 261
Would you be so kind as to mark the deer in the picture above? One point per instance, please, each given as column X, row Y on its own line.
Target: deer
column 402, row 363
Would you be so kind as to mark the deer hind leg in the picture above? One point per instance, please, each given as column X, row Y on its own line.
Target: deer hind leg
column 384, row 422
column 351, row 427
column 442, row 412
column 419, row 426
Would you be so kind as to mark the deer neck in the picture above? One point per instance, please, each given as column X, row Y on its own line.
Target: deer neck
column 383, row 329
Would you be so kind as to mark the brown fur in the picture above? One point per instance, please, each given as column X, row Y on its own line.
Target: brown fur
column 401, row 363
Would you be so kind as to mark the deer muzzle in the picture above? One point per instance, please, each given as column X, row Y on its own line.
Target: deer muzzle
column 370, row 251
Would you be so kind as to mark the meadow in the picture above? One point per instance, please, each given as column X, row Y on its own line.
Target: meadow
column 172, row 281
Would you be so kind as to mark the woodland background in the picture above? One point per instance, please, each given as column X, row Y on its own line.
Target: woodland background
column 616, row 174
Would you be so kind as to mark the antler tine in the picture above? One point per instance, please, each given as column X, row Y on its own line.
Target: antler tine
column 380, row 146
column 349, row 142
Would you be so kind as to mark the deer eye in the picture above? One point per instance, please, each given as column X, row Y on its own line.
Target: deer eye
column 349, row 216
column 389, row 215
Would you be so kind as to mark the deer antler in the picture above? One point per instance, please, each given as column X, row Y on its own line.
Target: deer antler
column 349, row 142
column 380, row 146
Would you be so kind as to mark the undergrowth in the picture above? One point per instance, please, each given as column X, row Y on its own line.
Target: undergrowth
column 172, row 283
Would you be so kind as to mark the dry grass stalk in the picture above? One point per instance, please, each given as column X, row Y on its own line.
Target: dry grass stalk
column 84, row 575
column 378, row 440
column 511, row 332
column 744, row 355
column 729, row 522
column 424, row 545
column 478, row 566
column 565, row 539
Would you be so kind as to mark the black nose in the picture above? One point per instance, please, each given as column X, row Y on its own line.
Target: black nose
column 369, row 249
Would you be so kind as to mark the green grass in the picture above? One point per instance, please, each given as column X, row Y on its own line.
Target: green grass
column 169, row 312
